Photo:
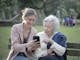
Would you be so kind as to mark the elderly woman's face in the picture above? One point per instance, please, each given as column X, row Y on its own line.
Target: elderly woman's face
column 48, row 27
column 29, row 21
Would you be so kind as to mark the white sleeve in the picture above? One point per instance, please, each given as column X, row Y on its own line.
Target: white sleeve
column 42, row 51
column 58, row 49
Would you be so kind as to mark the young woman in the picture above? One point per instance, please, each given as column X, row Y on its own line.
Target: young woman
column 22, row 43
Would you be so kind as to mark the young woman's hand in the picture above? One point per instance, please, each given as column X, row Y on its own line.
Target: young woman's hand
column 33, row 45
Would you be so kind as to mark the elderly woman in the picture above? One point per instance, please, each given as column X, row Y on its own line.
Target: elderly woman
column 52, row 42
column 22, row 43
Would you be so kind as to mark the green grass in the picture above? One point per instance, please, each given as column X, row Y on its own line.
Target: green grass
column 4, row 36
column 72, row 33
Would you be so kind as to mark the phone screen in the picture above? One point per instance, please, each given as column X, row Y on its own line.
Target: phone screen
column 37, row 38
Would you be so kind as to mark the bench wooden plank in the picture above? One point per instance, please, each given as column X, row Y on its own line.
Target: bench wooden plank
column 73, row 45
column 73, row 49
column 73, row 52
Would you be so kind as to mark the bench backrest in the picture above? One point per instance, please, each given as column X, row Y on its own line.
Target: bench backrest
column 73, row 49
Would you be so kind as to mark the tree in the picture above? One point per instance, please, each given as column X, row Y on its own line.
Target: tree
column 9, row 8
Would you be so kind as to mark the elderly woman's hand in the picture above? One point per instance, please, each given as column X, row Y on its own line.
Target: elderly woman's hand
column 47, row 40
column 50, row 52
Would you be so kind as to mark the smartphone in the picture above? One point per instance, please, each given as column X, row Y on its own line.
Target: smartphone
column 37, row 38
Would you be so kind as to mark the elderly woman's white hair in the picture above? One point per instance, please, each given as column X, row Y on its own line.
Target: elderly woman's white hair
column 53, row 19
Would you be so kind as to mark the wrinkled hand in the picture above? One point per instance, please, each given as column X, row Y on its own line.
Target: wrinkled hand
column 47, row 40
column 50, row 52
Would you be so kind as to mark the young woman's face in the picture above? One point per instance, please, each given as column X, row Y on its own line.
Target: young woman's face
column 29, row 21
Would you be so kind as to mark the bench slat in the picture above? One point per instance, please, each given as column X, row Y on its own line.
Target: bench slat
column 73, row 45
column 73, row 53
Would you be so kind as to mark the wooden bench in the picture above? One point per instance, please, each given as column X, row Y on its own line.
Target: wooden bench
column 73, row 49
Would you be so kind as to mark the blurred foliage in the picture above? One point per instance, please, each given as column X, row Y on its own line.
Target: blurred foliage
column 9, row 8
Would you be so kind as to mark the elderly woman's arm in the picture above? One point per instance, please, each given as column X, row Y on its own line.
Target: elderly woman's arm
column 59, row 48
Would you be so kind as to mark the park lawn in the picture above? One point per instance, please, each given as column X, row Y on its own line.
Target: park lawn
column 72, row 33
column 4, row 36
